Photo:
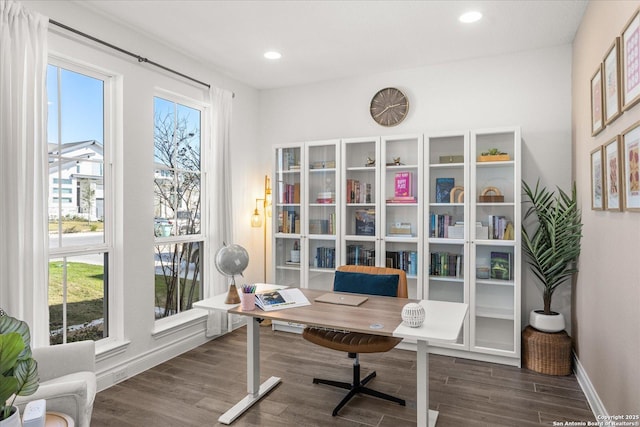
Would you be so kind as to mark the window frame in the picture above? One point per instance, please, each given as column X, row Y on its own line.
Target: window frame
column 111, row 82
column 164, row 325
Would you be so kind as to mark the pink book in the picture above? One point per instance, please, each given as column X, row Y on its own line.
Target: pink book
column 403, row 184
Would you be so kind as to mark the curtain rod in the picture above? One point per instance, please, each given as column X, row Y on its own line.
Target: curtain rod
column 126, row 52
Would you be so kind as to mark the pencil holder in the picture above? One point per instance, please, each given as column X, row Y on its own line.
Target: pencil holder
column 413, row 314
column 248, row 301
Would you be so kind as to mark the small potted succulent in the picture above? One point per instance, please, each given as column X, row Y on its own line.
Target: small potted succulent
column 18, row 369
column 551, row 233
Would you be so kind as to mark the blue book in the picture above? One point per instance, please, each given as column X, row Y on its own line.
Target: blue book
column 443, row 189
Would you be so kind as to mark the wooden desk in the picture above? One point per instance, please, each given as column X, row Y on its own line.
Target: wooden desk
column 377, row 316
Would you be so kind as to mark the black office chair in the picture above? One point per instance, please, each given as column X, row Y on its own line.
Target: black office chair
column 355, row 343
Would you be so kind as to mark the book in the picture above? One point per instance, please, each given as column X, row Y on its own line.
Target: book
column 281, row 299
column 443, row 189
column 365, row 222
column 402, row 185
column 501, row 265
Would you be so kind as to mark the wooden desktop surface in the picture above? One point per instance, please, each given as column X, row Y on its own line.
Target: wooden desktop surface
column 376, row 310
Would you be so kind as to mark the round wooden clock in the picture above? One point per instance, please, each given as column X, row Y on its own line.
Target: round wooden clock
column 389, row 106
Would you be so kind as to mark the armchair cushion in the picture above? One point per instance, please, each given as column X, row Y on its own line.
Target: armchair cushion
column 363, row 283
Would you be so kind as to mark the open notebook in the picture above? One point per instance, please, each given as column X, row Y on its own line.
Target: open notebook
column 339, row 298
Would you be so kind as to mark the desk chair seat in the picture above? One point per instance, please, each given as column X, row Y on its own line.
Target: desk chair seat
column 355, row 343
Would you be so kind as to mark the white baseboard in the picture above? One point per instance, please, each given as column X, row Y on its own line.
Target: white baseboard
column 597, row 407
column 122, row 370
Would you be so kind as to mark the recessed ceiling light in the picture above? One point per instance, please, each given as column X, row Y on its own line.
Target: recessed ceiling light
column 470, row 17
column 272, row 54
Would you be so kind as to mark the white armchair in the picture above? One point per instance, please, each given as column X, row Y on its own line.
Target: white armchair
column 67, row 380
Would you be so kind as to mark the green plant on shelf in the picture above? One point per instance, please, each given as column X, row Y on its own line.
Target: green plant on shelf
column 492, row 152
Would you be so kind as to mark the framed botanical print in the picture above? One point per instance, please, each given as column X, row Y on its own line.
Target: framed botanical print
column 597, row 198
column 611, row 83
column 631, row 167
column 597, row 118
column 630, row 48
column 612, row 175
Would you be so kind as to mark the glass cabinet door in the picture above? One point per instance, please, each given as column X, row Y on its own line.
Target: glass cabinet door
column 287, row 186
column 401, row 217
column 360, row 182
column 496, row 254
column 446, row 220
column 321, row 215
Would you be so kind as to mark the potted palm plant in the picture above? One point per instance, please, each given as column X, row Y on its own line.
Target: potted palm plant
column 551, row 233
column 18, row 370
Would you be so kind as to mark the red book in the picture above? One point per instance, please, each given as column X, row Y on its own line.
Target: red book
column 403, row 184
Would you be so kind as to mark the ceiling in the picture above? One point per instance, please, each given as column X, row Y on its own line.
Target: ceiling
column 325, row 40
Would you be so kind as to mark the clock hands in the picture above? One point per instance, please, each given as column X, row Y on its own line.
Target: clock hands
column 387, row 107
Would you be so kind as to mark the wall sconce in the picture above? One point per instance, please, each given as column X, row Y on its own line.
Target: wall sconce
column 256, row 218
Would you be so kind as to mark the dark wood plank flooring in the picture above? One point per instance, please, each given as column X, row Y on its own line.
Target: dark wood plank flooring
column 195, row 388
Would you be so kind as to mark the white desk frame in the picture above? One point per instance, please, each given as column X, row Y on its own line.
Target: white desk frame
column 442, row 323
column 255, row 390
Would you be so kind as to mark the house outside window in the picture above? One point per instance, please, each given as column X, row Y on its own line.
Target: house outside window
column 79, row 188
column 177, row 205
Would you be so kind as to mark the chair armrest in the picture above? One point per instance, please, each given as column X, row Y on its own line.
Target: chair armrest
column 64, row 359
column 77, row 389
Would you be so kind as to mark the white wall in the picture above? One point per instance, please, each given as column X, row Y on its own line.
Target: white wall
column 607, row 294
column 134, row 241
column 531, row 89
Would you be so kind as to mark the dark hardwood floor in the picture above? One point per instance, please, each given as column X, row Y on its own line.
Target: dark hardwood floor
column 195, row 388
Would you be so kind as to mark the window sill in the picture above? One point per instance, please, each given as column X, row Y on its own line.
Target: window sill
column 178, row 322
column 110, row 349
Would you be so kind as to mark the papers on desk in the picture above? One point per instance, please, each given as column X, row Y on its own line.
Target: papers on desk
column 280, row 299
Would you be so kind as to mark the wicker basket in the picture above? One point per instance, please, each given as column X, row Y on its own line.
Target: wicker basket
column 546, row 353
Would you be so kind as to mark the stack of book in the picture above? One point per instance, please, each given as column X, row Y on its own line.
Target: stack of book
column 497, row 226
column 326, row 197
column 290, row 193
column 358, row 192
column 325, row 257
column 359, row 255
column 403, row 260
column 446, row 264
column 403, row 189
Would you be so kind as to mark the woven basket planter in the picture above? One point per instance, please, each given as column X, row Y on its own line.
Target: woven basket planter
column 546, row 353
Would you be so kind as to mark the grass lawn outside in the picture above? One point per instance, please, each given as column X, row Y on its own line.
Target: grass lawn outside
column 76, row 226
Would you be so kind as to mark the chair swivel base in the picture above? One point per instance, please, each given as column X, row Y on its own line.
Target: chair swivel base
column 357, row 387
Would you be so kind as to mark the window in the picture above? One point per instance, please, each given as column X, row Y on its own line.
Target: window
column 79, row 188
column 177, row 206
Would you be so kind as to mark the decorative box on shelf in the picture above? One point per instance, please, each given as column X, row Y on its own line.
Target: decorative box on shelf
column 457, row 231
column 487, row 197
column 452, row 159
column 400, row 229
column 494, row 158
column 323, row 164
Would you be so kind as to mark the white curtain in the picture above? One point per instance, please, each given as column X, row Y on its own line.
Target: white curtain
column 219, row 182
column 23, row 166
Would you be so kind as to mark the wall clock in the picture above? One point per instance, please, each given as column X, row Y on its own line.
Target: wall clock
column 389, row 106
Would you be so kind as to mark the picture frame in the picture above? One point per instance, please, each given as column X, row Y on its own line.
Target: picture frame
column 597, row 194
column 597, row 116
column 611, row 83
column 631, row 167
column 630, row 52
column 612, row 174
